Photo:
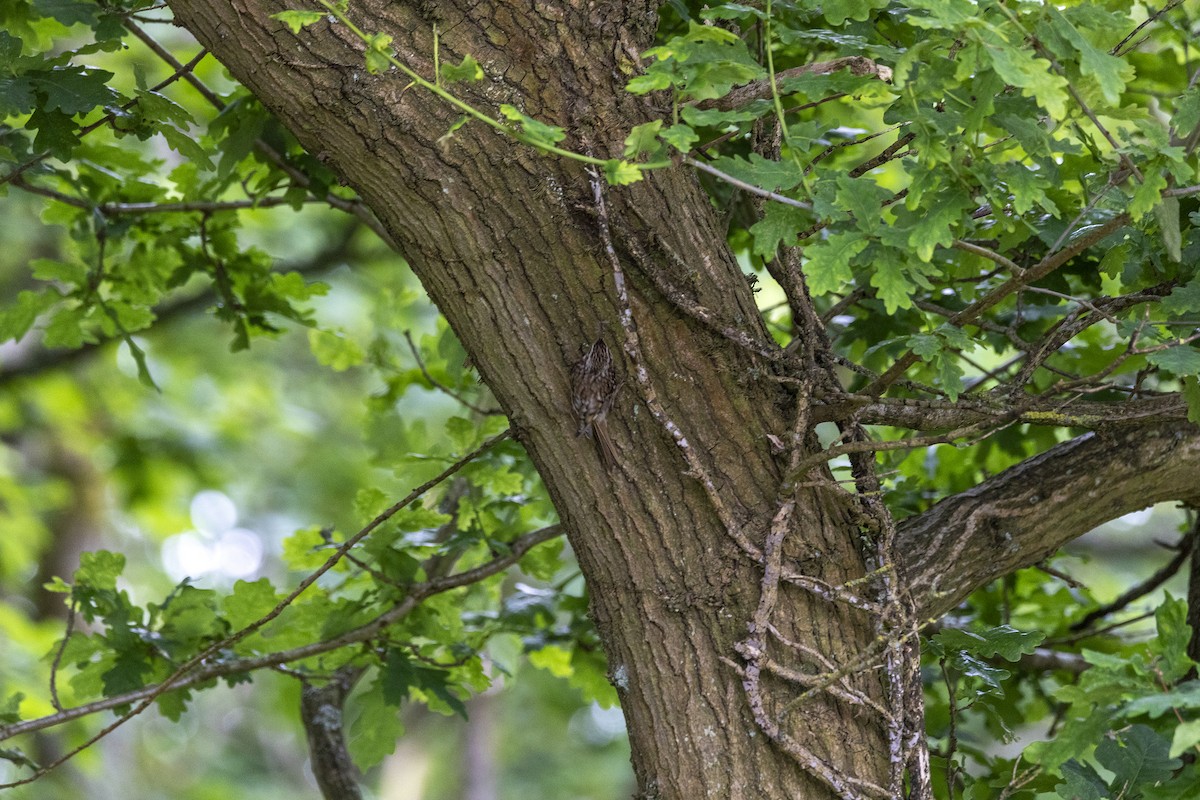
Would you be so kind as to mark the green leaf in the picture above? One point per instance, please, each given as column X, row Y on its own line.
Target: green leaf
column 1137, row 757
column 1191, row 393
column 468, row 70
column 652, row 81
column 621, row 173
column 642, row 139
column 185, row 145
column 732, row 11
column 56, row 132
column 463, row 434
column 1181, row 360
column 68, row 12
column 774, row 176
column 779, row 225
column 589, row 674
column 1187, row 736
column 1034, row 76
column 374, row 733
column 553, row 659
column 1174, row 632
column 950, row 375
column 715, row 118
column 538, row 133
column 935, row 227
column 705, row 63
column 976, row 668
column 1027, row 187
column 306, row 549
column 699, row 34
column 1110, row 72
column 139, row 360
column 1187, row 111
column 681, row 137
column 10, row 710
column 1082, row 782
column 296, row 20
column 249, row 602
column 295, row 286
column 1185, row 786
column 127, row 674
column 838, row 11
column 400, row 676
column 334, row 349
column 1075, row 738
column 73, row 90
column 864, row 199
column 66, row 328
column 99, row 569
column 17, row 95
column 827, row 265
column 16, row 320
column 10, row 47
column 379, row 53
column 1003, row 641
column 947, row 14
column 1113, row 262
column 188, row 616
column 172, row 704
column 17, row 758
column 895, row 289
column 1182, row 697
column 1148, row 194
column 1184, row 299
column 1167, row 213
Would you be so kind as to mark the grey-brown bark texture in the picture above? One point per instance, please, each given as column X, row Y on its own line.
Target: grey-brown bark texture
column 508, row 244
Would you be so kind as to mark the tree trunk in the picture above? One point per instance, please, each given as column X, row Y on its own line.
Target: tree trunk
column 513, row 248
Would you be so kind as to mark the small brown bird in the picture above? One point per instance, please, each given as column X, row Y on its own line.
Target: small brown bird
column 593, row 388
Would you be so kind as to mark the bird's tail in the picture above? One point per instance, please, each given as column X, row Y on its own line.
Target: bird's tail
column 603, row 443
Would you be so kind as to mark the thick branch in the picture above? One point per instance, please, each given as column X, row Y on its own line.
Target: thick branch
column 1026, row 513
column 322, row 709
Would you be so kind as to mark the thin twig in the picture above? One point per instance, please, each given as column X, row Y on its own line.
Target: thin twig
column 1182, row 551
column 746, row 187
column 58, row 655
column 442, row 387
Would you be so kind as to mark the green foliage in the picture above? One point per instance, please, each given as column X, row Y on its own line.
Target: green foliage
column 702, row 64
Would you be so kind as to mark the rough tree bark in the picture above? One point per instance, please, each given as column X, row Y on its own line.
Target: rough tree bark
column 510, row 247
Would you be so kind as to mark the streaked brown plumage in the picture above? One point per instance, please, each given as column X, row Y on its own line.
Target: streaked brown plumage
column 593, row 388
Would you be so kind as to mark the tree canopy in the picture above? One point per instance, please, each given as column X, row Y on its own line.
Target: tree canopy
column 903, row 298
